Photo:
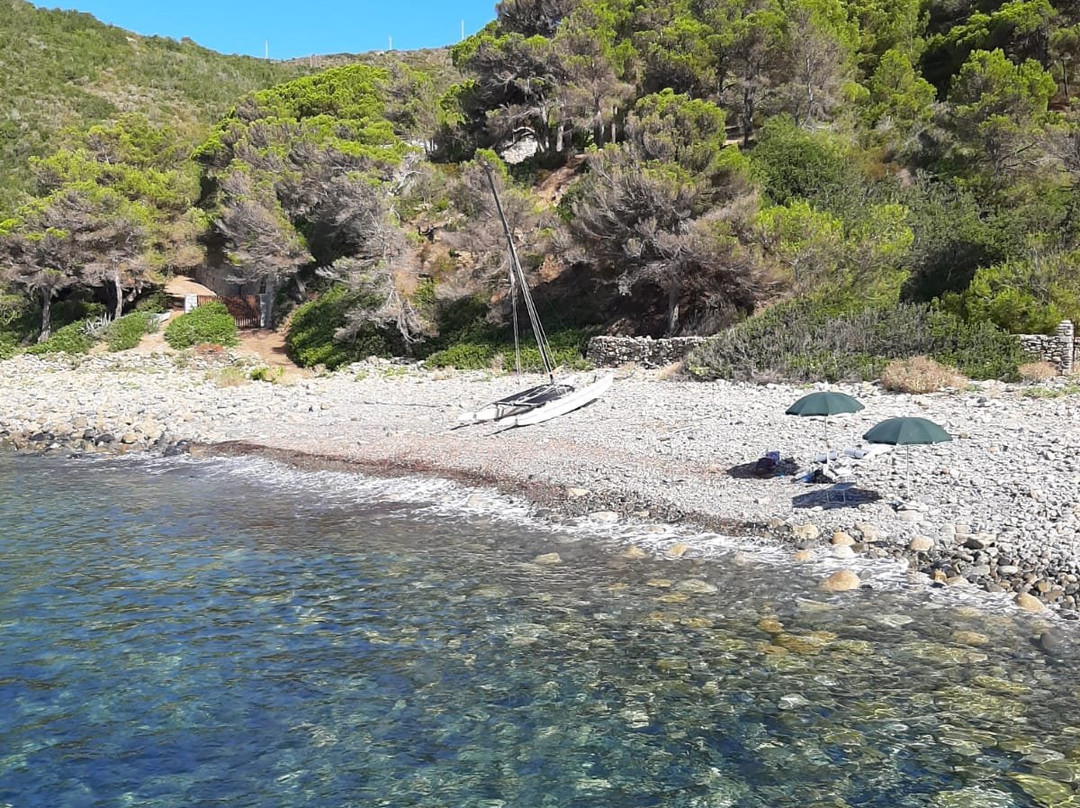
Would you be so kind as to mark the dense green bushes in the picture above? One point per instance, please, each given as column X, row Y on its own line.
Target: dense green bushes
column 1023, row 297
column 82, row 335
column 125, row 333
column 792, row 163
column 310, row 340
column 62, row 69
column 74, row 338
column 210, row 323
column 466, row 338
column 469, row 340
column 800, row 340
column 496, row 350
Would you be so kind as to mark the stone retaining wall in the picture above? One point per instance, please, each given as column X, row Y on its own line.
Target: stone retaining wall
column 1060, row 349
column 644, row 351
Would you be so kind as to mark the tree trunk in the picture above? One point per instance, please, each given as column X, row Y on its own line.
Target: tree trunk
column 809, row 76
column 119, row 296
column 266, row 320
column 747, row 116
column 46, row 315
column 559, row 134
column 673, row 308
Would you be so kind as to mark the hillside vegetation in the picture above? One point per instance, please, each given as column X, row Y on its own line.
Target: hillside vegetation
column 679, row 167
column 64, row 69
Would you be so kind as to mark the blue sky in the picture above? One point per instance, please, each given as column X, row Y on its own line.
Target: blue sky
column 295, row 28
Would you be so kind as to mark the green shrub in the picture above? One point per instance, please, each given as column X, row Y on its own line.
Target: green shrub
column 805, row 340
column 468, row 340
column 979, row 350
column 209, row 323
column 125, row 333
column 792, row 163
column 1023, row 297
column 567, row 346
column 463, row 355
column 19, row 318
column 311, row 341
column 74, row 309
column 265, row 374
column 72, row 338
column 155, row 302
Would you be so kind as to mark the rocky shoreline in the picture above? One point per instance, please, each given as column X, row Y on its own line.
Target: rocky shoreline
column 998, row 508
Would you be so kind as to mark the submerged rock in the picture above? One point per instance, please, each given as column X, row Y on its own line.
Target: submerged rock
column 1050, row 642
column 1046, row 792
column 1064, row 771
column 770, row 625
column 970, row 638
column 1029, row 603
column 841, row 581
column 695, row 586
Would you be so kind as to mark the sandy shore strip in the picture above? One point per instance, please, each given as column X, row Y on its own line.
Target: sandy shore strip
column 997, row 508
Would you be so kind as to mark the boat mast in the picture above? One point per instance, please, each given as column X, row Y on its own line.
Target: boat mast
column 516, row 271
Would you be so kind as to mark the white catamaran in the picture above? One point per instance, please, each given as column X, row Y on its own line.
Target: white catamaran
column 545, row 401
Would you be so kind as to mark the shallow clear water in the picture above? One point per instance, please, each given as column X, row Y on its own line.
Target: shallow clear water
column 193, row 634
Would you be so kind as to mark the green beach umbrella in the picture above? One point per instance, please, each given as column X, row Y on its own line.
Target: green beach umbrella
column 907, row 431
column 824, row 403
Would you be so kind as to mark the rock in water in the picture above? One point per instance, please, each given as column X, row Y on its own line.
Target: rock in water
column 1029, row 603
column 181, row 447
column 841, row 581
column 970, row 638
column 1050, row 642
column 921, row 544
column 548, row 558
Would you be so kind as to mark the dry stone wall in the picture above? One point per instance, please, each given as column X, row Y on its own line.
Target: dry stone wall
column 1060, row 349
column 644, row 351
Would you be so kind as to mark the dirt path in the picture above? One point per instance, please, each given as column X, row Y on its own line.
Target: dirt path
column 266, row 345
column 269, row 346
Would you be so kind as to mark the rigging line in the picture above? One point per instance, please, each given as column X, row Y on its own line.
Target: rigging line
column 534, row 318
column 517, row 329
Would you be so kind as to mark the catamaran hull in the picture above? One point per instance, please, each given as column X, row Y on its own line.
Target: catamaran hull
column 561, row 406
column 525, row 416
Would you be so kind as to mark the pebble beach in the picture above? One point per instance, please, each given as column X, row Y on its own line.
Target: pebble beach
column 997, row 508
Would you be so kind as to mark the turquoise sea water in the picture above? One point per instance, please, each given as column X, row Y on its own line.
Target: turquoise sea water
column 182, row 634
